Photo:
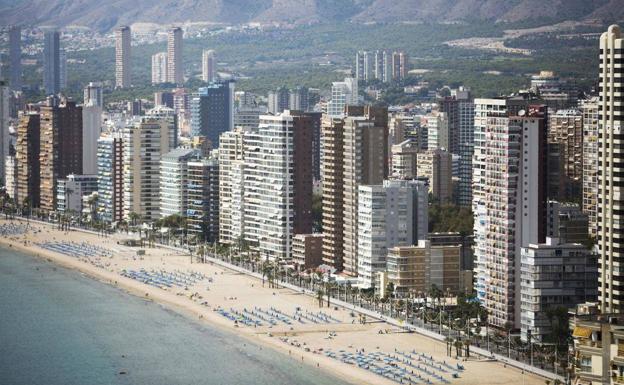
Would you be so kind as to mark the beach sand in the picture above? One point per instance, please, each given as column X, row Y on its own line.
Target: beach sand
column 228, row 289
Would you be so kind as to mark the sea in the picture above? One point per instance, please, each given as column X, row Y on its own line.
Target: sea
column 60, row 327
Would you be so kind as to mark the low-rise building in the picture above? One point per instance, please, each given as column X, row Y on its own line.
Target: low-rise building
column 70, row 191
column 414, row 269
column 307, row 250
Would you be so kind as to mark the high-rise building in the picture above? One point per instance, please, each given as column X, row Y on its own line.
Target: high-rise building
column 565, row 148
column 554, row 275
column 438, row 135
column 174, row 183
column 400, row 65
column 231, row 186
column 160, row 68
column 461, row 116
column 15, row 57
column 93, row 95
column 278, row 183
column 436, row 166
column 364, row 66
column 332, row 176
column 123, row 46
column 389, row 215
column 27, row 149
column 610, row 160
column 343, row 94
column 91, row 129
column 163, row 98
column 278, row 100
column 144, row 142
column 4, row 126
column 383, row 66
column 61, row 147
column 298, row 99
column 175, row 69
column 209, row 66
column 51, row 62
column 212, row 111
column 509, row 204
column 590, row 109
column 110, row 177
column 365, row 163
column 203, row 199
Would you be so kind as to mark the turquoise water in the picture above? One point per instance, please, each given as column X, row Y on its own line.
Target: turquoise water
column 58, row 327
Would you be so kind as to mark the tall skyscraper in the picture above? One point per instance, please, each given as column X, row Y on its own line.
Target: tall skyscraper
column 436, row 166
column 174, row 181
column 212, row 111
column 365, row 162
column 509, row 203
column 123, row 47
column 110, row 177
column 27, row 149
column 51, row 62
column 278, row 183
column 389, row 215
column 400, row 65
column 175, row 69
column 364, row 66
column 93, row 95
column 15, row 57
column 231, row 186
column 590, row 110
column 610, row 160
column 298, row 99
column 209, row 66
column 159, row 68
column 203, row 198
column 61, row 147
column 145, row 141
column 91, row 130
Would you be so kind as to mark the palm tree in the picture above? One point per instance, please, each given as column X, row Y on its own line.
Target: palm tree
column 134, row 218
column 93, row 201
column 319, row 296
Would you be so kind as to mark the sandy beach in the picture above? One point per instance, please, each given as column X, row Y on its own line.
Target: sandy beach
column 283, row 320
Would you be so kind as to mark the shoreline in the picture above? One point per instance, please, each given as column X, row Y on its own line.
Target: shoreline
column 309, row 335
column 209, row 318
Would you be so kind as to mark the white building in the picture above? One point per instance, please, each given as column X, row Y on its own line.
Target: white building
column 91, row 129
column 110, row 177
column 175, row 70
column 209, row 66
column 159, row 68
column 389, row 215
column 509, row 203
column 269, row 190
column 342, row 94
column 70, row 191
column 174, row 181
column 123, row 40
column 438, row 135
column 554, row 275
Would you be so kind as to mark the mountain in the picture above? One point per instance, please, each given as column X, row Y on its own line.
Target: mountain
column 104, row 15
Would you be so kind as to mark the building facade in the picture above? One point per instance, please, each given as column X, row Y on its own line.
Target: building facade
column 175, row 69
column 160, row 68
column 212, row 111
column 110, row 178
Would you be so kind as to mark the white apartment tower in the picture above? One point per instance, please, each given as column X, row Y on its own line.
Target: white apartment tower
column 389, row 215
column 610, row 170
column 343, row 94
column 123, row 39
column 589, row 109
column 175, row 70
column 159, row 68
column 509, row 202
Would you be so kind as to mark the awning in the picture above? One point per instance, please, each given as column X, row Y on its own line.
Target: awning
column 581, row 332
